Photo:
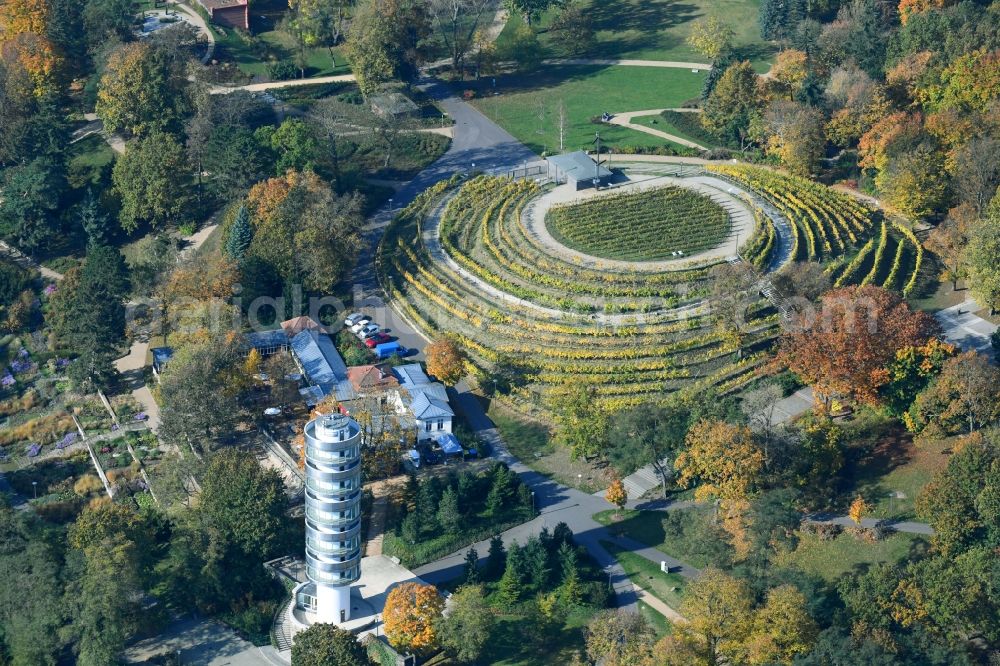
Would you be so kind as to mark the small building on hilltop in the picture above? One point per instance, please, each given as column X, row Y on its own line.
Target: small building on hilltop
column 230, row 13
column 577, row 169
column 426, row 402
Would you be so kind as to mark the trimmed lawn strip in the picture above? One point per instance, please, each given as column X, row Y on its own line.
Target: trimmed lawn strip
column 647, row 575
column 660, row 624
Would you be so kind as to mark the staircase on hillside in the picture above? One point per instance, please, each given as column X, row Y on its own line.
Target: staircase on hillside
column 764, row 287
column 281, row 632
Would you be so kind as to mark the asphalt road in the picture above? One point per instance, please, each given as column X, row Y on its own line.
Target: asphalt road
column 478, row 144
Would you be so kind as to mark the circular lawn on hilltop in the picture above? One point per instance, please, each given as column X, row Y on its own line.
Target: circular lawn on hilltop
column 649, row 225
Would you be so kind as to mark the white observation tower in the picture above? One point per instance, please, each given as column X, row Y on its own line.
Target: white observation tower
column 333, row 513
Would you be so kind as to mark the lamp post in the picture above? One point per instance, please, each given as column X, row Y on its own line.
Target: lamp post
column 34, row 487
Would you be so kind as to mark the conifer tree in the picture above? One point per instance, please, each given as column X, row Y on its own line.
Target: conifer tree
column 240, row 235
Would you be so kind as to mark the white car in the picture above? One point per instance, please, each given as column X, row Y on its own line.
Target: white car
column 364, row 321
column 353, row 319
column 370, row 329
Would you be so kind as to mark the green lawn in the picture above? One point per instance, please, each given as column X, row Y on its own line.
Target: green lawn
column 87, row 160
column 667, row 587
column 895, row 474
column 655, row 29
column 832, row 559
column 690, row 535
column 528, row 104
column 276, row 47
column 531, row 443
column 660, row 624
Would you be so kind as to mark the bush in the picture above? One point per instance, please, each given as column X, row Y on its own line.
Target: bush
column 283, row 70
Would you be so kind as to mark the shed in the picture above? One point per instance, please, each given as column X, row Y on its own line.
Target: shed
column 578, row 169
column 161, row 357
column 393, row 105
column 449, row 444
column 232, row 13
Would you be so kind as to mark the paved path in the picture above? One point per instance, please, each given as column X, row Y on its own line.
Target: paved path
column 908, row 526
column 202, row 643
column 966, row 329
column 625, row 120
column 13, row 254
column 273, row 85
column 741, row 219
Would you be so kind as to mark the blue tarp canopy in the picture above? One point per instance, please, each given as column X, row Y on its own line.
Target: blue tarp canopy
column 161, row 355
column 414, row 454
column 449, row 444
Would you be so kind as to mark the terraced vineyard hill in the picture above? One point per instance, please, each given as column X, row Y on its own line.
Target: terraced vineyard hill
column 461, row 260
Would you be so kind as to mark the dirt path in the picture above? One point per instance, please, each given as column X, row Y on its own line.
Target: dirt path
column 13, row 254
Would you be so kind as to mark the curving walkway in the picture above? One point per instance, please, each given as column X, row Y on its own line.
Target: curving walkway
column 625, row 120
column 741, row 219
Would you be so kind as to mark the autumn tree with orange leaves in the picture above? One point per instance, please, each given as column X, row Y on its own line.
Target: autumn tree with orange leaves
column 411, row 610
column 617, row 495
column 725, row 462
column 843, row 350
column 445, row 360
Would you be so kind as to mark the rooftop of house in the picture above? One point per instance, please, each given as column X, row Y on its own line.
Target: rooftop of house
column 296, row 325
column 370, row 377
column 425, row 406
column 411, row 375
column 222, row 4
column 577, row 165
column 319, row 358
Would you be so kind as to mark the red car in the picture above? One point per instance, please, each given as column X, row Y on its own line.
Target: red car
column 377, row 339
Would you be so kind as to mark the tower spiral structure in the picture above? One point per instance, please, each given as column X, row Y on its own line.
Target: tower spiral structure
column 333, row 513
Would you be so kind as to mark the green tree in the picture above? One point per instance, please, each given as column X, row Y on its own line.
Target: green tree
column 648, row 434
column 618, row 638
column 240, row 234
column 295, row 144
column 573, row 29
column 94, row 220
column 244, row 504
column 142, row 90
column 467, row 627
column 581, row 425
column 710, row 36
column 470, row 571
column 496, row 561
column 983, row 249
column 28, row 209
column 199, row 402
column 95, row 319
column 385, row 40
column 914, row 180
column 511, row 585
column 152, row 179
column 449, row 517
column 327, row 645
column 734, row 104
column 106, row 18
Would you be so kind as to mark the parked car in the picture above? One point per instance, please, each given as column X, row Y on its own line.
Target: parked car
column 389, row 349
column 364, row 321
column 379, row 338
column 353, row 319
column 368, row 331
